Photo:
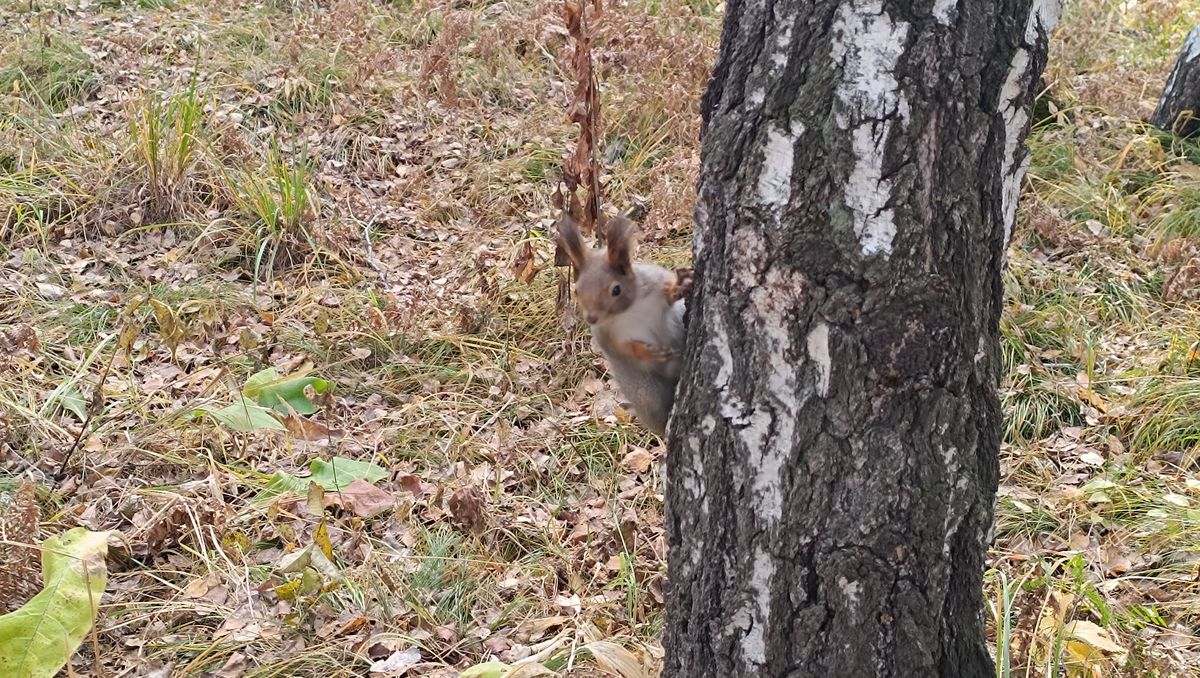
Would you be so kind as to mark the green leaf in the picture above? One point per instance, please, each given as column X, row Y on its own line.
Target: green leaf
column 486, row 670
column 345, row 471
column 71, row 399
column 281, row 393
column 39, row 638
column 324, row 473
column 244, row 416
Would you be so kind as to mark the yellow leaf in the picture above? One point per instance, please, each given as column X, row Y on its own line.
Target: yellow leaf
column 1054, row 614
column 1093, row 636
column 1092, row 398
column 616, row 659
column 321, row 539
column 288, row 591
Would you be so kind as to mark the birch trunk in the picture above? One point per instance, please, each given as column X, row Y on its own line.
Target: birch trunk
column 1178, row 108
column 833, row 448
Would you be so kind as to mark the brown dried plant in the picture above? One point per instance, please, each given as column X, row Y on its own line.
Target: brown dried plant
column 582, row 168
column 438, row 63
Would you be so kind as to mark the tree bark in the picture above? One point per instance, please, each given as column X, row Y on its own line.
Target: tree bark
column 833, row 448
column 1178, row 108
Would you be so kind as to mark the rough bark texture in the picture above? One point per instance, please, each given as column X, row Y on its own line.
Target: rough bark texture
column 833, row 449
column 1179, row 107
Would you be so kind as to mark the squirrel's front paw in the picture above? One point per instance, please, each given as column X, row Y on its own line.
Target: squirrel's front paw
column 647, row 352
column 681, row 287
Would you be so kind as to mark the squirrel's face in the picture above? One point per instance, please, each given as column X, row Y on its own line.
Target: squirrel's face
column 604, row 293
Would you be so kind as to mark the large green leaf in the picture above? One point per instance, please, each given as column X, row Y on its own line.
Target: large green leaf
column 330, row 476
column 39, row 638
column 244, row 416
column 269, row 389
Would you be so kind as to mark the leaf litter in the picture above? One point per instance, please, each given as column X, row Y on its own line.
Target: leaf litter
column 361, row 209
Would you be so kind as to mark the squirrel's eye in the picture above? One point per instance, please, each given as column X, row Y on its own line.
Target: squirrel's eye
column 616, row 290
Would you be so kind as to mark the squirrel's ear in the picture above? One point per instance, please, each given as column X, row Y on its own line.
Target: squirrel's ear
column 620, row 233
column 571, row 241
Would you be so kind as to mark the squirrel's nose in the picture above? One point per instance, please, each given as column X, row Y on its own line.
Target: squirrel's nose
column 591, row 318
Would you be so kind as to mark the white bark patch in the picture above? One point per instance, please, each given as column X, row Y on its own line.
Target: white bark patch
column 720, row 341
column 767, row 315
column 783, row 42
column 775, row 177
column 1043, row 16
column 766, row 459
column 1191, row 50
column 1192, row 46
column 954, row 517
column 868, row 45
column 850, row 589
column 700, row 214
column 693, row 479
column 754, row 643
column 943, row 11
column 818, row 352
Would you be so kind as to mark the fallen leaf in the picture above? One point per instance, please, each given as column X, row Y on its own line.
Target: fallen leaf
column 197, row 588
column 616, row 659
column 38, row 638
column 1177, row 500
column 398, row 661
column 233, row 667
column 523, row 267
column 412, row 485
column 570, row 604
column 1117, row 563
column 361, row 497
column 469, row 508
column 486, row 670
column 51, row 291
column 638, row 460
column 304, row 428
column 1095, row 637
column 320, row 537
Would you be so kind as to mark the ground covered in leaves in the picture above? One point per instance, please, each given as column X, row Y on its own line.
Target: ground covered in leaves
column 339, row 212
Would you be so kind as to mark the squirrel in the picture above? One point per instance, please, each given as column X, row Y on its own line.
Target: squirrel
column 635, row 312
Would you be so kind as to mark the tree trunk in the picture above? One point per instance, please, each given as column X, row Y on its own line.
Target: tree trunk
column 833, row 449
column 1179, row 107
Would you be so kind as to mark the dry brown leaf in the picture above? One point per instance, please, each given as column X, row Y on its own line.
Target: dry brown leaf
column 638, row 460
column 304, row 428
column 234, row 667
column 361, row 497
column 468, row 508
column 523, row 265
column 412, row 484
column 199, row 587
column 534, row 629
column 1185, row 279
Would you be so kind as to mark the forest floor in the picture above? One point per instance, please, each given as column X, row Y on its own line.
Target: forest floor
column 194, row 191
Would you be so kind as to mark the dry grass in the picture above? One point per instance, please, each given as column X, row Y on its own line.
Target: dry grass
column 193, row 190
